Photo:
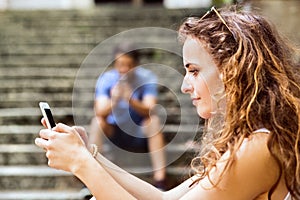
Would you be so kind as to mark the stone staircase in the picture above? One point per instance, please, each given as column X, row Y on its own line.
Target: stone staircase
column 41, row 53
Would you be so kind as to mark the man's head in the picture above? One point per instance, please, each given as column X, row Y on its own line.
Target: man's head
column 125, row 57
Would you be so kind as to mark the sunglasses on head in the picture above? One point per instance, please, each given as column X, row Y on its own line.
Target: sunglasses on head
column 214, row 10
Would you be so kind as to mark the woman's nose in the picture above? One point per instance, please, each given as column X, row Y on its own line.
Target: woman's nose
column 185, row 86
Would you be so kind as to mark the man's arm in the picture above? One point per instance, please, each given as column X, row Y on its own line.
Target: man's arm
column 103, row 106
column 145, row 106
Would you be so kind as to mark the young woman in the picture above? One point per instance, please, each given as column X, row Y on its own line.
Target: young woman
column 242, row 78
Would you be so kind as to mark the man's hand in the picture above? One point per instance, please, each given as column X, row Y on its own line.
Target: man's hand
column 126, row 91
column 116, row 94
column 121, row 91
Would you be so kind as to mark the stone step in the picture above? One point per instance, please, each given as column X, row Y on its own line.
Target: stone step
column 30, row 21
column 32, row 115
column 41, row 195
column 25, row 134
column 63, row 35
column 28, row 92
column 86, row 37
column 27, row 112
column 41, row 85
column 65, row 99
column 105, row 10
column 43, row 60
column 90, row 64
column 84, row 108
column 20, row 104
column 37, row 72
column 21, row 154
column 36, row 177
column 175, row 177
column 15, row 134
column 63, row 19
column 60, row 84
column 33, row 97
column 30, row 154
column 91, row 17
column 93, row 64
column 66, row 48
column 94, row 61
column 24, row 79
column 177, row 155
column 44, row 178
column 46, row 48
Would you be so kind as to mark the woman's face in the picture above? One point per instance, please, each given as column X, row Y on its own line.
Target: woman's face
column 202, row 79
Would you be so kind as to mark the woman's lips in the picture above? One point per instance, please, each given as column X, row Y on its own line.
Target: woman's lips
column 195, row 100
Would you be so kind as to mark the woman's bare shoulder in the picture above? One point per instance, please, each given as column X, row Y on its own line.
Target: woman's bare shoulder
column 255, row 157
column 253, row 172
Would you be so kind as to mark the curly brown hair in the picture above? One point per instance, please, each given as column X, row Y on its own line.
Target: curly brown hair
column 262, row 89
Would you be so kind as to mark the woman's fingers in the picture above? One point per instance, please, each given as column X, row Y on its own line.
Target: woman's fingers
column 62, row 128
column 82, row 134
column 61, row 143
column 43, row 121
column 42, row 143
column 46, row 134
column 72, row 132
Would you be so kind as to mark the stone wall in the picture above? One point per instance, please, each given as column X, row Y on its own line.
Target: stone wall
column 284, row 14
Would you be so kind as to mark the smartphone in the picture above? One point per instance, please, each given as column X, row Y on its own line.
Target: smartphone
column 46, row 111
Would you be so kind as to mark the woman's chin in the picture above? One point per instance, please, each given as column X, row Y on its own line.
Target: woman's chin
column 204, row 114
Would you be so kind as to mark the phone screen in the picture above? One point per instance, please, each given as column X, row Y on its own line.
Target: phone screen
column 50, row 117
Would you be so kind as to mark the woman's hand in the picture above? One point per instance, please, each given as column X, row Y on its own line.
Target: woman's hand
column 82, row 133
column 65, row 147
column 79, row 129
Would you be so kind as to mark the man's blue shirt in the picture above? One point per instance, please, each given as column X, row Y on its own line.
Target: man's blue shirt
column 143, row 82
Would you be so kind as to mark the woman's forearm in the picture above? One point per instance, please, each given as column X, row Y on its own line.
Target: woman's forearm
column 66, row 150
column 135, row 186
column 100, row 183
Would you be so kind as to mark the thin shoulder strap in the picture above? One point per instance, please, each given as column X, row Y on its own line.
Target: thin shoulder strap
column 262, row 130
column 288, row 197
